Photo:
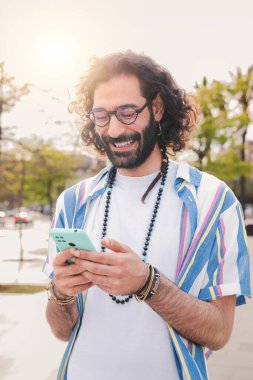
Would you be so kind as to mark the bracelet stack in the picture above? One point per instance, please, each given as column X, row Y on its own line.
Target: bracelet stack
column 150, row 287
column 58, row 301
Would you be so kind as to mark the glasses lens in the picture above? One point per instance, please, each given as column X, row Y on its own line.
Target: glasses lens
column 99, row 117
column 126, row 114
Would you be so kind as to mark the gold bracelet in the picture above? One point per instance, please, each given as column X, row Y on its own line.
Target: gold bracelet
column 58, row 301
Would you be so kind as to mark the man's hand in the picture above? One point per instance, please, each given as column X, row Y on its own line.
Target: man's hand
column 119, row 272
column 69, row 279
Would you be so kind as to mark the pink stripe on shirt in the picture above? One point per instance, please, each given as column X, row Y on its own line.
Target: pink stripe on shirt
column 203, row 225
column 181, row 248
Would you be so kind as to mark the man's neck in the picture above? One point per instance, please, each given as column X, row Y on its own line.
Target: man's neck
column 151, row 165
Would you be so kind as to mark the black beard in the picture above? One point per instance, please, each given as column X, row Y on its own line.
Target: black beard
column 129, row 160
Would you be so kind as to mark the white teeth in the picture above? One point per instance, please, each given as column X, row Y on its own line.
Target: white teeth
column 125, row 143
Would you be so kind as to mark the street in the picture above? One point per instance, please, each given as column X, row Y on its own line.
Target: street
column 28, row 349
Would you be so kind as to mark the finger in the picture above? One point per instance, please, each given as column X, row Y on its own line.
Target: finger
column 69, row 282
column 100, row 280
column 84, row 276
column 114, row 245
column 63, row 256
column 97, row 257
column 80, row 288
column 98, row 268
column 68, row 270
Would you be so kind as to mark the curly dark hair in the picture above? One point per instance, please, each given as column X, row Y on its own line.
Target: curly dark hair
column 180, row 113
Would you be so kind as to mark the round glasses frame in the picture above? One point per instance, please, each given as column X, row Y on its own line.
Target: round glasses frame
column 137, row 111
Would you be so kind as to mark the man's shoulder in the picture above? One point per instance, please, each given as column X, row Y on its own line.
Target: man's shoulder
column 85, row 186
column 204, row 186
column 196, row 177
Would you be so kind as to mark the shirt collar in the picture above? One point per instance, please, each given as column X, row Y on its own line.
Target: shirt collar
column 189, row 174
column 185, row 172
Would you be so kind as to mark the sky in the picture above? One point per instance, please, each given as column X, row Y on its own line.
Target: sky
column 49, row 43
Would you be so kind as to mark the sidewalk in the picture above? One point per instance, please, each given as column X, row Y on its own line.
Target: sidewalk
column 235, row 360
column 28, row 349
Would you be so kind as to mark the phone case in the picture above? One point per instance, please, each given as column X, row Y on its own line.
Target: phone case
column 66, row 238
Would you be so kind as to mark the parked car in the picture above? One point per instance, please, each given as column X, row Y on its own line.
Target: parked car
column 249, row 226
column 12, row 212
column 22, row 216
column 2, row 218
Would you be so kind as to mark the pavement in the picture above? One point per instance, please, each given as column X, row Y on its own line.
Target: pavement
column 28, row 349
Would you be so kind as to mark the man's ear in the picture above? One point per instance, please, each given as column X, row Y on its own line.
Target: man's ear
column 158, row 108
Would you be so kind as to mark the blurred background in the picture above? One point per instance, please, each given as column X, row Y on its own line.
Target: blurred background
column 45, row 48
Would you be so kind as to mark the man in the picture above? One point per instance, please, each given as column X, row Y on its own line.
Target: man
column 172, row 260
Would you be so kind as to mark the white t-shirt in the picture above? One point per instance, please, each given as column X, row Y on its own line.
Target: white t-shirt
column 130, row 341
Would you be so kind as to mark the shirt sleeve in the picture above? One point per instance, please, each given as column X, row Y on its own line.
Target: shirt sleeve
column 58, row 222
column 228, row 269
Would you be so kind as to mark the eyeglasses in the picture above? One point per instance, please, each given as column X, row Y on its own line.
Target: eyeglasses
column 126, row 114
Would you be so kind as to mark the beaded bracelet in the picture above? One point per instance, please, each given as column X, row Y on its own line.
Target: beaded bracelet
column 58, row 301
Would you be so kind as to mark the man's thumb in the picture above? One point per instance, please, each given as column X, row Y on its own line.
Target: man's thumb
column 114, row 245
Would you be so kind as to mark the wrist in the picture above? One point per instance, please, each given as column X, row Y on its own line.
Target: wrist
column 151, row 285
column 146, row 279
column 57, row 292
column 53, row 296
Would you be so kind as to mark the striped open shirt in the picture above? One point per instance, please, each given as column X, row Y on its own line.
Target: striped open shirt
column 214, row 264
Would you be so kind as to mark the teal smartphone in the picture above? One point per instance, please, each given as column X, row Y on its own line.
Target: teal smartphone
column 66, row 238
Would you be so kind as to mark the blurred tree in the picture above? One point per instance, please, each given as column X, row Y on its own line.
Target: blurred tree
column 47, row 172
column 219, row 142
column 240, row 90
column 10, row 94
column 213, row 120
column 9, row 178
column 35, row 171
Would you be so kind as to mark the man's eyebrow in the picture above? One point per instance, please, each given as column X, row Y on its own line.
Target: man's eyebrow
column 121, row 106
column 98, row 109
column 128, row 105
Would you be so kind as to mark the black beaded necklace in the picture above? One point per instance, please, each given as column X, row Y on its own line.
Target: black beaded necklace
column 151, row 225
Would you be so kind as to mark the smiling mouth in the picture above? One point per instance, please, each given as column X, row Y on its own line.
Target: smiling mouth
column 124, row 144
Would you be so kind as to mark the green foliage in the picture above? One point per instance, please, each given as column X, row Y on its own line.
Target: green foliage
column 35, row 172
column 219, row 141
column 48, row 171
column 228, row 166
column 9, row 181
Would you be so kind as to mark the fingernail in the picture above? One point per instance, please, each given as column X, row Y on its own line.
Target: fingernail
column 76, row 253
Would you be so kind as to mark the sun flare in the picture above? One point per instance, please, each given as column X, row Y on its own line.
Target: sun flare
column 56, row 52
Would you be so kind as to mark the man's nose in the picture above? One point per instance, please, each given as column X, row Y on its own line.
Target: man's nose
column 115, row 127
